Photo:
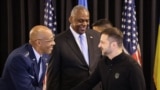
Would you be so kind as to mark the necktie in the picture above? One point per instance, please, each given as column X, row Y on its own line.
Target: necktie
column 84, row 48
column 40, row 68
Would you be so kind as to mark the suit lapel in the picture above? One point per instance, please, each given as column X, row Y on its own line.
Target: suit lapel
column 74, row 46
column 44, row 60
column 33, row 58
column 90, row 47
column 36, row 69
column 34, row 61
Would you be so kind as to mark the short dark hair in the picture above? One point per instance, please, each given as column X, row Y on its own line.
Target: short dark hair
column 115, row 34
column 101, row 22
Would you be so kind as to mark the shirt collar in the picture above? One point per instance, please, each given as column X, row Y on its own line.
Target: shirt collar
column 75, row 34
column 117, row 59
column 36, row 54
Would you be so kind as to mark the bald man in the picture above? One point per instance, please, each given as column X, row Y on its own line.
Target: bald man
column 25, row 66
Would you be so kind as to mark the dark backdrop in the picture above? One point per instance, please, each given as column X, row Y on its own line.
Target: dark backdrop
column 18, row 16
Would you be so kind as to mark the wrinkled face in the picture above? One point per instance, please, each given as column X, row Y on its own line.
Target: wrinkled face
column 47, row 43
column 105, row 45
column 80, row 21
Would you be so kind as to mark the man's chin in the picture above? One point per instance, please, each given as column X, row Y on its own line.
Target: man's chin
column 81, row 32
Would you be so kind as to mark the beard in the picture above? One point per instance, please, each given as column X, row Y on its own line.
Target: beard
column 107, row 52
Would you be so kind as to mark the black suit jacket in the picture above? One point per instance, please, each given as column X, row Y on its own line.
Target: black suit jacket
column 67, row 66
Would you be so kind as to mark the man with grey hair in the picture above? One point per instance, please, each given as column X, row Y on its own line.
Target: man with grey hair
column 69, row 65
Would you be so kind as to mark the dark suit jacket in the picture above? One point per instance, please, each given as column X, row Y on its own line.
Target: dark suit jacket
column 67, row 66
column 20, row 71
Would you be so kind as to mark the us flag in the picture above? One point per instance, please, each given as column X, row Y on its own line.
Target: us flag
column 49, row 15
column 129, row 29
column 49, row 21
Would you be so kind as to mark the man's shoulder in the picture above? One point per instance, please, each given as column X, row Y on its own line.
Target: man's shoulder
column 93, row 32
column 131, row 62
column 63, row 35
column 18, row 55
column 23, row 50
column 20, row 49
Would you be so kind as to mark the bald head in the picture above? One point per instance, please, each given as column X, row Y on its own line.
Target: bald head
column 41, row 39
column 39, row 32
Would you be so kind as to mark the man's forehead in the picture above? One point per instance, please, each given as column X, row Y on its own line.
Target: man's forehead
column 104, row 37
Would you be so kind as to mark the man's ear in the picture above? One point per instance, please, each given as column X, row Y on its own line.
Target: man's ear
column 114, row 44
column 70, row 19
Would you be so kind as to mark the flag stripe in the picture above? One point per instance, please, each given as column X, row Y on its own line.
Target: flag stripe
column 49, row 21
column 50, row 16
column 129, row 29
